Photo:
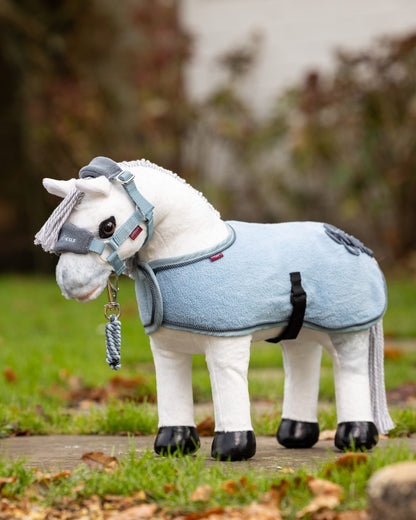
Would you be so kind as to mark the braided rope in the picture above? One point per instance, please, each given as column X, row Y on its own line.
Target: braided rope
column 113, row 342
column 48, row 235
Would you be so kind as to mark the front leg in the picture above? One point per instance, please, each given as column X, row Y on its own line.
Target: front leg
column 228, row 360
column 177, row 432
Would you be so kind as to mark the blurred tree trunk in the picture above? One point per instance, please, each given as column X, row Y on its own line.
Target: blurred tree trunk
column 81, row 79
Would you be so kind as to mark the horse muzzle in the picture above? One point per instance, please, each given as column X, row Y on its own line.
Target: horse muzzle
column 81, row 277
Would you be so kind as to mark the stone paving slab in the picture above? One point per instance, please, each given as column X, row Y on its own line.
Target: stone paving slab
column 63, row 452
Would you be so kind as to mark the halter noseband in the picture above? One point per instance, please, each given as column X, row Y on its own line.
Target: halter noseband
column 78, row 240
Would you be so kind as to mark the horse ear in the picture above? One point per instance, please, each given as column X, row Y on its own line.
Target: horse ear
column 94, row 185
column 57, row 187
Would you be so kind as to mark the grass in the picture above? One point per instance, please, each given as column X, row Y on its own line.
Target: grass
column 52, row 354
column 171, row 482
column 52, row 359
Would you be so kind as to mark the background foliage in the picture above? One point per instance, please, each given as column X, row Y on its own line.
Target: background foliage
column 81, row 79
column 339, row 148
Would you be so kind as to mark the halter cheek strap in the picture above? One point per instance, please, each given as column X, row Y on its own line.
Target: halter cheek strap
column 77, row 240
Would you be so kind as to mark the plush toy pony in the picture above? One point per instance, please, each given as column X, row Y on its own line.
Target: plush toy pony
column 205, row 286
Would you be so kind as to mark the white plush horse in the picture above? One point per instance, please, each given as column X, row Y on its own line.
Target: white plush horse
column 205, row 286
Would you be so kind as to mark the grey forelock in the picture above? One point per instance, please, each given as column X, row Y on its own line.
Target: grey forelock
column 100, row 166
column 73, row 239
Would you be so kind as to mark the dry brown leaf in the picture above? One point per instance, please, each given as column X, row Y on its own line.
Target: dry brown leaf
column 206, row 428
column 170, row 488
column 257, row 511
column 328, row 496
column 6, row 480
column 230, row 487
column 215, row 512
column 97, row 460
column 139, row 512
column 347, row 460
column 10, row 375
column 276, row 493
column 350, row 460
column 353, row 515
column 325, row 514
column 393, row 353
column 202, row 493
column 318, row 503
column 327, row 435
column 47, row 478
column 320, row 486
column 287, row 471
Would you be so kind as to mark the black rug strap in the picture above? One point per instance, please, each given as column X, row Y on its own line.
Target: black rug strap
column 298, row 301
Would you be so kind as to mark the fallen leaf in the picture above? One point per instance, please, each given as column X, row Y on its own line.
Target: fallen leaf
column 320, row 486
column 139, row 512
column 347, row 460
column 97, row 460
column 170, row 488
column 215, row 512
column 392, row 353
column 257, row 511
column 229, row 487
column 202, row 493
column 350, row 460
column 47, row 478
column 353, row 515
column 327, row 435
column 317, row 503
column 10, row 375
column 287, row 471
column 328, row 496
column 276, row 493
column 6, row 480
column 206, row 428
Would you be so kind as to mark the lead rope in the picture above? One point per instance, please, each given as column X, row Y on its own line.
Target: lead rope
column 113, row 327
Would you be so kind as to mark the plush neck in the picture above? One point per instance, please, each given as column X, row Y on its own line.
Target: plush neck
column 184, row 222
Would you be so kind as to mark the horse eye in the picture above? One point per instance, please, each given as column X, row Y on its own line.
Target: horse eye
column 107, row 227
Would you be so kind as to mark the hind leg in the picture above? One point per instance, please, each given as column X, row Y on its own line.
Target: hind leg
column 356, row 428
column 302, row 361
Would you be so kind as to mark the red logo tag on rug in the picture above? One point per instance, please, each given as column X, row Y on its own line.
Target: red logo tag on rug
column 136, row 232
column 216, row 257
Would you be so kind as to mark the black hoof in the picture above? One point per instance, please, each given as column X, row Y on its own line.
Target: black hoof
column 176, row 440
column 356, row 435
column 233, row 445
column 297, row 434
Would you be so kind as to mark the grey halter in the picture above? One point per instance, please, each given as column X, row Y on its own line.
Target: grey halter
column 74, row 239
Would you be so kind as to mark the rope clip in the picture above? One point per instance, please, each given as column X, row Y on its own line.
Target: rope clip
column 112, row 308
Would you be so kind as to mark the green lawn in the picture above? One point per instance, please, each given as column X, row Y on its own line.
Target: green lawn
column 52, row 358
column 54, row 379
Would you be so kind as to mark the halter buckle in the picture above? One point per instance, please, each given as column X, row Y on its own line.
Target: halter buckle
column 124, row 177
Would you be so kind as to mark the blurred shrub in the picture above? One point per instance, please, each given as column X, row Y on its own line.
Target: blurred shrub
column 340, row 148
column 80, row 79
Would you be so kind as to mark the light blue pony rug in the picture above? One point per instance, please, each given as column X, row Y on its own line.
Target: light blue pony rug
column 244, row 284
